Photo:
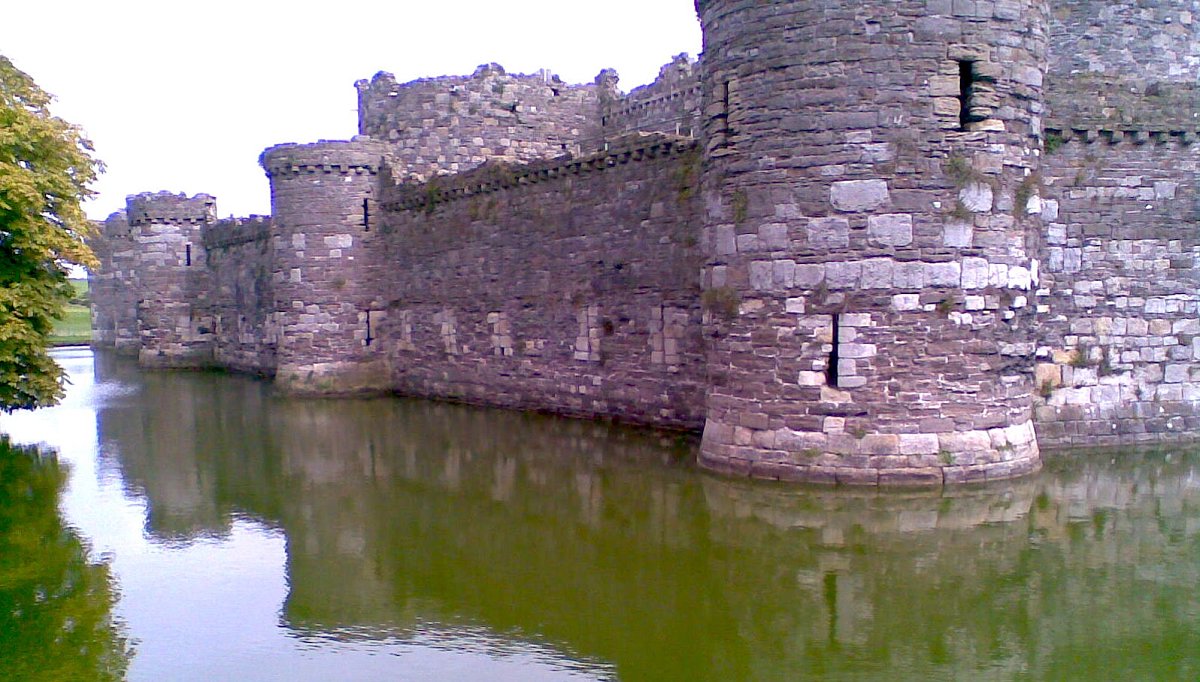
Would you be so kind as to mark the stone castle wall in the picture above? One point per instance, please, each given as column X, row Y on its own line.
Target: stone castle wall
column 1124, row 65
column 671, row 104
column 114, row 286
column 455, row 123
column 246, row 328
column 1118, row 325
column 568, row 286
column 864, row 243
column 1133, row 40
column 1120, row 331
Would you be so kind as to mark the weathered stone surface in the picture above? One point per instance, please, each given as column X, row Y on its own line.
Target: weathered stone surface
column 891, row 229
column 859, row 195
column 872, row 280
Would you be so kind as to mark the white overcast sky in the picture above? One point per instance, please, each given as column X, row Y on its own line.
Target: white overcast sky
column 183, row 96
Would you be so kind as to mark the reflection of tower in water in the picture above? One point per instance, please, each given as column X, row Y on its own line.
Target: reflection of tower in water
column 545, row 525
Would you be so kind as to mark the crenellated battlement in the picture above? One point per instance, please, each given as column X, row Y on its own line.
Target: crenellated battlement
column 233, row 232
column 671, row 104
column 1128, row 135
column 360, row 156
column 165, row 208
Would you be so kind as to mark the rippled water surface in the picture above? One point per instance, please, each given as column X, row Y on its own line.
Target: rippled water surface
column 212, row 530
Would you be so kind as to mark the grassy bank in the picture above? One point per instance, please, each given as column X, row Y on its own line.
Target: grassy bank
column 76, row 327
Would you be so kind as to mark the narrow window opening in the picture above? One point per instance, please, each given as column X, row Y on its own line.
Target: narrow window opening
column 366, row 215
column 369, row 337
column 725, row 130
column 966, row 92
column 187, row 256
column 831, row 371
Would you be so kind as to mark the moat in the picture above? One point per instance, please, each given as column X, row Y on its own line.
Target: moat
column 254, row 536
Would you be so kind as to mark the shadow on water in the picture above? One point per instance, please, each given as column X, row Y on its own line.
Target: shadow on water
column 405, row 517
column 55, row 602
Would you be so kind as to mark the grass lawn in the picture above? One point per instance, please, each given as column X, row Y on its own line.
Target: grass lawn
column 76, row 327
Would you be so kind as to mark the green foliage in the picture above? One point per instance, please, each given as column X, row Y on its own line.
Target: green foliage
column 433, row 195
column 1025, row 191
column 723, row 301
column 687, row 176
column 1080, row 356
column 46, row 166
column 962, row 173
column 1053, row 142
column 83, row 293
column 961, row 212
column 55, row 605
column 741, row 205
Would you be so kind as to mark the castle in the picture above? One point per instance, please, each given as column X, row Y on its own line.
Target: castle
column 866, row 243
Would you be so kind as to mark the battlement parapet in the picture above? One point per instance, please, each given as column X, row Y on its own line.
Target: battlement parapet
column 115, row 226
column 166, row 208
column 1100, row 101
column 494, row 177
column 451, row 124
column 233, row 232
column 360, row 156
column 671, row 104
column 1112, row 135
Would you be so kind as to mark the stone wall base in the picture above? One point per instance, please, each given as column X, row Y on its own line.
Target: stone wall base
column 182, row 359
column 334, row 378
column 877, row 459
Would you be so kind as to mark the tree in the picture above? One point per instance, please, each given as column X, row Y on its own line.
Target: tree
column 46, row 167
column 56, row 603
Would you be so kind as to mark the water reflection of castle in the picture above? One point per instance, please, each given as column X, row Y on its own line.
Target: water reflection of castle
column 399, row 513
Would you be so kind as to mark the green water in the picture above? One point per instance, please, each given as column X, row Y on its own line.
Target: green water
column 232, row 534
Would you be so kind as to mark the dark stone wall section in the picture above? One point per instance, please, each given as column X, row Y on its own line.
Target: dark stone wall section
column 569, row 286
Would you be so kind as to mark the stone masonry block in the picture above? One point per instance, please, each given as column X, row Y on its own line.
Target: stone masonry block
column 909, row 275
column 773, row 236
column 975, row 273
column 843, row 275
column 878, row 273
column 828, row 233
column 976, row 197
column 918, row 444
column 906, row 302
column 858, row 350
column 891, row 229
column 943, row 274
column 859, row 195
column 808, row 276
column 958, row 235
column 856, row 320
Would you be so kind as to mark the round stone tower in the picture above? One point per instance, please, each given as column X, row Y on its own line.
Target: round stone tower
column 170, row 282
column 325, row 219
column 871, row 190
